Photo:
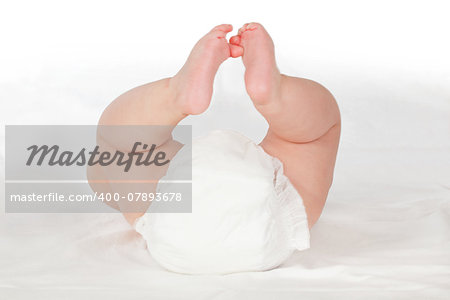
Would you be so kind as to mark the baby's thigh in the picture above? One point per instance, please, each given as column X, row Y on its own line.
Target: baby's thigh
column 309, row 166
column 113, row 180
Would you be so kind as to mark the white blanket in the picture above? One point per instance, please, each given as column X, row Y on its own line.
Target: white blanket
column 385, row 230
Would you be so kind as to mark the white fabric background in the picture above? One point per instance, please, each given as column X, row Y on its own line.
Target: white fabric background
column 385, row 231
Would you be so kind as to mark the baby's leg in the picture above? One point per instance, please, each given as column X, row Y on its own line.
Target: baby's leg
column 164, row 102
column 168, row 101
column 303, row 117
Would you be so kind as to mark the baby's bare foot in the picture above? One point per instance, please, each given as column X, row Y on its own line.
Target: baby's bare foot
column 193, row 84
column 262, row 78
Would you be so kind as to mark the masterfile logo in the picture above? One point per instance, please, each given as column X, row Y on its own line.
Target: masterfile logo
column 81, row 168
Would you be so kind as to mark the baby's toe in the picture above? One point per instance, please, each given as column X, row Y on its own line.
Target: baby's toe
column 224, row 27
column 236, row 51
column 235, row 40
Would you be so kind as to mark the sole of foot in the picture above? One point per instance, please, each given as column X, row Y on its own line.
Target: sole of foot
column 193, row 84
column 262, row 77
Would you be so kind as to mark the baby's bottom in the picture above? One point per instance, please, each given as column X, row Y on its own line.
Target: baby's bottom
column 252, row 220
column 303, row 117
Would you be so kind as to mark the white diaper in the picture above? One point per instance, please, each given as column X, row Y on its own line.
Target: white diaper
column 246, row 215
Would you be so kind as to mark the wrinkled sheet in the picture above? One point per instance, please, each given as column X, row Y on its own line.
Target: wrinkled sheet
column 385, row 231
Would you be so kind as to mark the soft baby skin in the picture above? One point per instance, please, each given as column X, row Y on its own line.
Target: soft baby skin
column 252, row 204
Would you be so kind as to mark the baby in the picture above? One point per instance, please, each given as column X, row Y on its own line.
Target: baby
column 303, row 117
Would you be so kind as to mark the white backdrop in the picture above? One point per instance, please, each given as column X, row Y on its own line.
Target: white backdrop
column 386, row 62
